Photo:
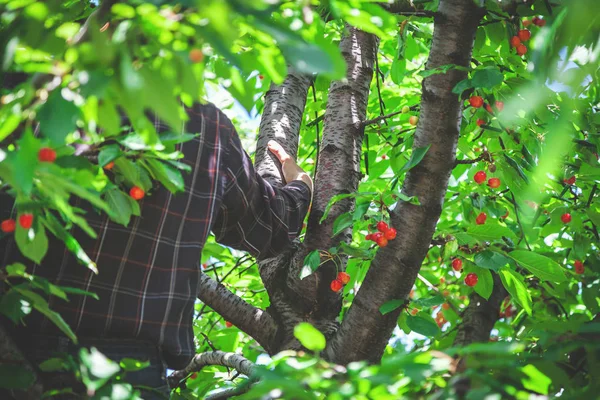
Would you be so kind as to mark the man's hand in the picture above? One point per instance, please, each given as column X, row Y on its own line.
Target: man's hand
column 291, row 170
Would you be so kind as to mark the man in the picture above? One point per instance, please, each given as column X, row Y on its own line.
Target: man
column 149, row 271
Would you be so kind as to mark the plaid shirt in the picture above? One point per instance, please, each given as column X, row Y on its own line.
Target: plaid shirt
column 149, row 271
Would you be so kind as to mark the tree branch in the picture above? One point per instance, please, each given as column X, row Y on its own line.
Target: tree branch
column 281, row 120
column 230, row 360
column 251, row 320
column 365, row 332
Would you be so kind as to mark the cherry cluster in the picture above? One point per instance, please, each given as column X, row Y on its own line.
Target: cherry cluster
column 384, row 235
column 338, row 283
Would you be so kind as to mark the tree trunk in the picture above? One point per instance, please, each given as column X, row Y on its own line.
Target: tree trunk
column 310, row 299
column 365, row 332
column 480, row 316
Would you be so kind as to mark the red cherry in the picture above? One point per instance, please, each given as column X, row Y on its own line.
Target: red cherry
column 376, row 236
column 136, row 193
column 565, row 218
column 524, row 35
column 515, row 41
column 414, row 312
column 570, row 181
column 204, row 266
column 457, row 264
column 46, row 154
column 489, row 109
column 8, row 225
column 526, row 22
column 194, row 375
column 343, row 277
column 500, row 105
column 480, row 220
column 494, row 183
column 442, row 280
column 384, row 157
column 109, row 166
column 480, row 122
column 508, row 312
column 521, row 49
column 446, row 306
column 390, row 234
column 369, row 236
column 476, row 101
column 26, row 220
column 579, row 268
column 261, row 77
column 382, row 226
column 541, row 22
column 196, row 55
column 228, row 324
column 535, row 20
column 479, row 177
column 382, row 242
column 336, row 285
column 471, row 279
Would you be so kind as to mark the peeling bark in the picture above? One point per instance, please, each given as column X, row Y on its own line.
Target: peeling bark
column 365, row 332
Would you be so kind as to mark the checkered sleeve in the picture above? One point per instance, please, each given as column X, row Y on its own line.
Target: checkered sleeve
column 256, row 216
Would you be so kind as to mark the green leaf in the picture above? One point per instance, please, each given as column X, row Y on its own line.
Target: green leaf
column 108, row 153
column 32, row 243
column 357, row 252
column 309, row 336
column 491, row 260
column 515, row 285
column 118, row 203
column 422, row 323
column 170, row 177
column 536, row 381
column 487, row 78
column 541, row 266
column 415, row 158
column 342, row 222
column 490, row 231
column 462, row 86
column 25, row 161
column 390, row 306
column 14, row 376
column 311, row 263
column 428, row 302
column 485, row 283
column 57, row 118
column 41, row 305
column 130, row 364
column 53, row 364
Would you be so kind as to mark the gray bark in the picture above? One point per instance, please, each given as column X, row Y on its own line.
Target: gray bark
column 231, row 360
column 281, row 120
column 364, row 332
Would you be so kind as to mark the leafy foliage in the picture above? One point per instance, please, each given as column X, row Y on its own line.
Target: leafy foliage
column 539, row 136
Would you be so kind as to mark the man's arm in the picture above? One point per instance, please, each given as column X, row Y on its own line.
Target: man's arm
column 256, row 216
